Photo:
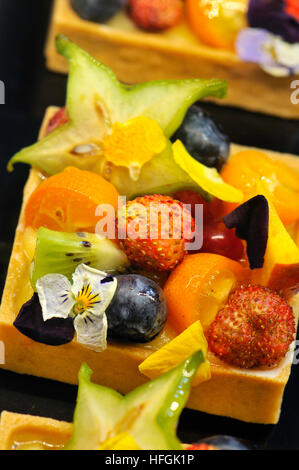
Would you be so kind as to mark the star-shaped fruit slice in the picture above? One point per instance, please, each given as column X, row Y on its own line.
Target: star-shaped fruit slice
column 149, row 414
column 96, row 101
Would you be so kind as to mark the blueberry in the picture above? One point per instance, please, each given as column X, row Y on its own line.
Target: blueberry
column 97, row 10
column 138, row 310
column 203, row 138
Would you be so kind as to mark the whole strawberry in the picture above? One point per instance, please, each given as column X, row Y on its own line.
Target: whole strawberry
column 153, row 231
column 255, row 328
column 156, row 15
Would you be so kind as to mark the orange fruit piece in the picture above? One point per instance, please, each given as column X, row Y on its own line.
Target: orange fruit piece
column 245, row 169
column 199, row 287
column 217, row 22
column 68, row 200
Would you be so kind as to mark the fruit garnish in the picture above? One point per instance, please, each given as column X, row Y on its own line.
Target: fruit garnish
column 97, row 10
column 207, row 178
column 281, row 262
column 68, row 200
column 122, row 441
column 59, row 118
column 133, row 143
column 203, row 138
column 96, row 100
column 138, row 310
column 254, row 329
column 245, row 168
column 61, row 252
column 154, row 231
column 217, row 22
column 199, row 287
column 222, row 241
column 193, row 198
column 279, row 17
column 177, row 350
column 85, row 301
column 251, row 221
column 156, row 15
column 149, row 414
column 54, row 332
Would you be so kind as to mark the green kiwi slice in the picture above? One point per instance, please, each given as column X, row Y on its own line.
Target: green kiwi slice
column 60, row 252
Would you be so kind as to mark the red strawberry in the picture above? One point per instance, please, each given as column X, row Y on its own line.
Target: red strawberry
column 157, row 228
column 156, row 15
column 255, row 328
column 57, row 120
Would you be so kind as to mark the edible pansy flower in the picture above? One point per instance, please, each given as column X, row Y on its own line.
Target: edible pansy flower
column 30, row 323
column 251, row 221
column 85, row 300
column 280, row 17
column 275, row 56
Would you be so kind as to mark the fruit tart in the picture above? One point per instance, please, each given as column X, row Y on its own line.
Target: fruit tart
column 251, row 43
column 144, row 237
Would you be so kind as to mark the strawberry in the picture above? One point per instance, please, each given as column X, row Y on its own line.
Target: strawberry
column 255, row 328
column 57, row 120
column 156, row 15
column 157, row 228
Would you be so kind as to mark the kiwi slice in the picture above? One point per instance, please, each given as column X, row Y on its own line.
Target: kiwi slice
column 60, row 252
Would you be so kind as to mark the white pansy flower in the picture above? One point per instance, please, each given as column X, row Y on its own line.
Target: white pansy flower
column 85, row 300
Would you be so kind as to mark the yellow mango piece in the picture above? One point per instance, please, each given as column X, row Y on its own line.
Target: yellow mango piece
column 121, row 441
column 133, row 143
column 176, row 351
column 207, row 178
column 281, row 264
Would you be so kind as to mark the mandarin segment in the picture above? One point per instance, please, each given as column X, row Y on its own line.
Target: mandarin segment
column 246, row 168
column 217, row 22
column 68, row 200
column 199, row 286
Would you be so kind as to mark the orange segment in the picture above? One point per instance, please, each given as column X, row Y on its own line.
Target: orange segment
column 133, row 143
column 217, row 22
column 199, row 286
column 68, row 200
column 246, row 168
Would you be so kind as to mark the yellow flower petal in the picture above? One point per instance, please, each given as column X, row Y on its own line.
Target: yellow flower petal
column 133, row 143
column 121, row 441
column 207, row 178
column 176, row 351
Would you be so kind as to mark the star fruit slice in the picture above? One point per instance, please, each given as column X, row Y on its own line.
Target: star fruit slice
column 96, row 100
column 149, row 414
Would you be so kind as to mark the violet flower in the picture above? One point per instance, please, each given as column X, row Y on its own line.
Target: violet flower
column 280, row 17
column 275, row 56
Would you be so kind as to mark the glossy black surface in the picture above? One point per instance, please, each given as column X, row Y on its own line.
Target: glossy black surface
column 29, row 89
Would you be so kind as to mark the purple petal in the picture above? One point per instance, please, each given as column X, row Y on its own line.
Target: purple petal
column 53, row 332
column 251, row 221
column 250, row 46
column 271, row 15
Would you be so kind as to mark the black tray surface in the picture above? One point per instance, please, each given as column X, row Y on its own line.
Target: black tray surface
column 29, row 89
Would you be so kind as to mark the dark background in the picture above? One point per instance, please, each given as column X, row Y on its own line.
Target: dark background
column 30, row 88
